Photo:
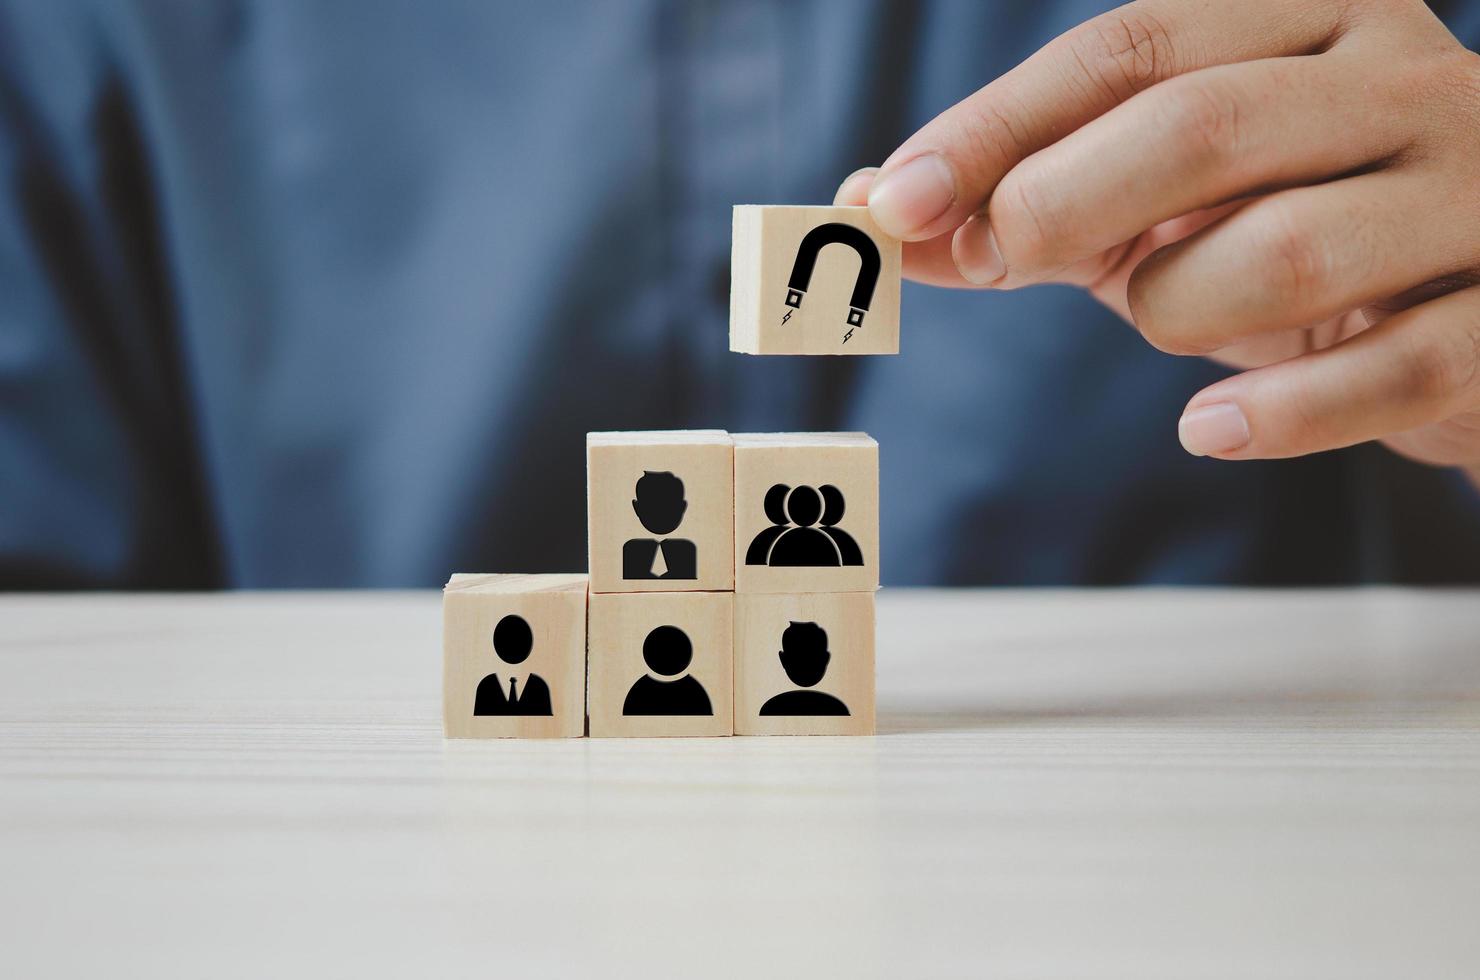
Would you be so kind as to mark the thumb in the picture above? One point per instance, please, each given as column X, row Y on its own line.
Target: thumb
column 1416, row 367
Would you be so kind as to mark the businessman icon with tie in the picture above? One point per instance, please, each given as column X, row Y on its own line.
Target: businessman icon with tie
column 659, row 505
column 512, row 641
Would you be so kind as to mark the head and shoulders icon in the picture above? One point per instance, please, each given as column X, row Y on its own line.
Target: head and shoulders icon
column 803, row 530
column 658, row 501
column 804, row 657
column 667, row 651
column 512, row 642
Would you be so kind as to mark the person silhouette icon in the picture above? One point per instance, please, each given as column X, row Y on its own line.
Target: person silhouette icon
column 659, row 504
column 759, row 552
column 803, row 544
column 667, row 652
column 832, row 512
column 512, row 641
column 804, row 657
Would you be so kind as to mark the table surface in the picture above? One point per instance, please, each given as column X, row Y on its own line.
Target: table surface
column 1110, row 783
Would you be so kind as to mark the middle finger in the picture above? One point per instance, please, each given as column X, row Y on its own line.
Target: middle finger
column 1190, row 143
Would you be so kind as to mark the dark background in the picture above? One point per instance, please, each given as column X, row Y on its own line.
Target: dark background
column 327, row 294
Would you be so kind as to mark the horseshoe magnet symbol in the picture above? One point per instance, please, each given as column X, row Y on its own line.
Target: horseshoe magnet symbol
column 836, row 233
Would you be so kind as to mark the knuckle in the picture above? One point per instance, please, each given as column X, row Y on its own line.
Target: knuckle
column 1469, row 377
column 1030, row 223
column 1467, row 355
column 1445, row 367
column 1296, row 264
column 1126, row 50
column 1432, row 372
column 990, row 132
column 1454, row 84
column 1433, row 99
column 1464, row 75
column 1207, row 118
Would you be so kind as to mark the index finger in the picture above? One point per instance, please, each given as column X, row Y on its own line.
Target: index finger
column 947, row 170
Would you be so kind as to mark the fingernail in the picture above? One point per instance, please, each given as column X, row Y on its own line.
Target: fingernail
column 849, row 180
column 907, row 199
column 975, row 250
column 1212, row 429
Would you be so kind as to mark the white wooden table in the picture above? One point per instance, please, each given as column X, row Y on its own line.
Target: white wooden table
column 1135, row 784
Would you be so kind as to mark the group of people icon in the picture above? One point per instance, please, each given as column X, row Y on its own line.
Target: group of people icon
column 792, row 540
column 667, row 689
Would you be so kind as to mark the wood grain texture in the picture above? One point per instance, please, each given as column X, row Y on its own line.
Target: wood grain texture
column 618, row 627
column 764, row 247
column 703, row 460
column 1142, row 784
column 767, row 625
column 848, row 461
column 554, row 609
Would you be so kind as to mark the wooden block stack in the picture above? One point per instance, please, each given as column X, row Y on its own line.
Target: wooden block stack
column 807, row 567
column 731, row 590
column 659, row 522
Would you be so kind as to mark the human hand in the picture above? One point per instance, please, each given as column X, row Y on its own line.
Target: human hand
column 1289, row 186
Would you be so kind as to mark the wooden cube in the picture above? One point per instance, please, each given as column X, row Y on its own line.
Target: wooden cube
column 661, row 663
column 514, row 656
column 804, row 664
column 812, row 280
column 806, row 512
column 660, row 511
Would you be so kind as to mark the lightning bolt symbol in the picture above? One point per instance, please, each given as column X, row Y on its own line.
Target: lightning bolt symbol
column 787, row 317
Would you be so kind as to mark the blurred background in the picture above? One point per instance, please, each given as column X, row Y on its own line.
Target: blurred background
column 306, row 293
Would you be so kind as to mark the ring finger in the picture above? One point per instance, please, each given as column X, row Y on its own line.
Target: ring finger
column 1300, row 257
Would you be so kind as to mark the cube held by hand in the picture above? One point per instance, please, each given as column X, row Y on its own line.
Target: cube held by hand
column 812, row 280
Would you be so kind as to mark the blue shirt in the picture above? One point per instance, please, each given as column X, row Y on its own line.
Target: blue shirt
column 312, row 294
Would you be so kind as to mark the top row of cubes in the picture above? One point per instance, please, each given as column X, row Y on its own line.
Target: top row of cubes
column 706, row 511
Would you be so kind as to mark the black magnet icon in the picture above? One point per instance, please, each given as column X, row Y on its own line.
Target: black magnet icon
column 836, row 233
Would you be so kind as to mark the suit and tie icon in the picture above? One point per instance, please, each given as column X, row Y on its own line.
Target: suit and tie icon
column 512, row 641
column 659, row 504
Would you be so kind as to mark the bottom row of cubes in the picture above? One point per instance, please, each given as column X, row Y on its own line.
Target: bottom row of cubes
column 534, row 656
